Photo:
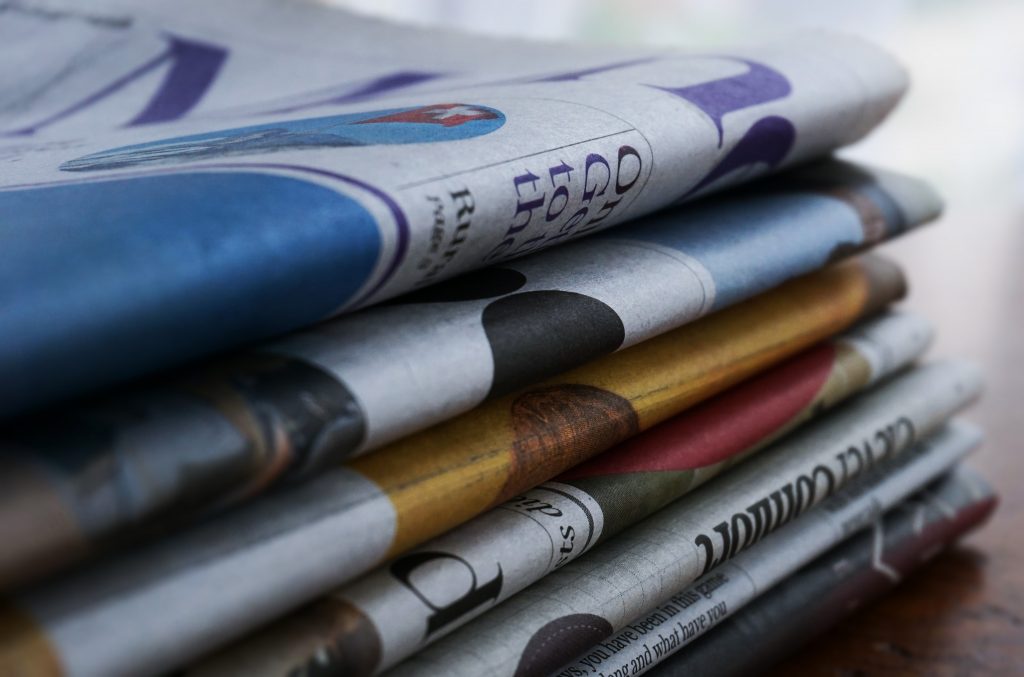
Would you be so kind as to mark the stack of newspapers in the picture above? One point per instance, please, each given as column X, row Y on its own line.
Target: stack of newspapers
column 336, row 347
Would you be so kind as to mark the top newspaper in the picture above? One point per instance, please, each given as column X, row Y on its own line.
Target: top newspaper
column 180, row 177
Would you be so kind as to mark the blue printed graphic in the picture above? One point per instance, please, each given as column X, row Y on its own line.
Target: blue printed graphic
column 424, row 124
column 104, row 280
column 757, row 242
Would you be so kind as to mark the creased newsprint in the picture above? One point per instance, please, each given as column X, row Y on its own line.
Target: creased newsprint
column 179, row 177
column 508, row 442
column 173, row 600
column 226, row 431
column 839, row 582
column 389, row 614
column 716, row 596
column 587, row 600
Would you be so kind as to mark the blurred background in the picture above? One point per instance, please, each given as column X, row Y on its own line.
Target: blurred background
column 962, row 128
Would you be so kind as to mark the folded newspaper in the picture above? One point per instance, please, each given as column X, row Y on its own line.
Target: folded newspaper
column 178, row 177
column 230, row 429
column 690, row 613
column 587, row 600
column 839, row 582
column 197, row 589
column 386, row 616
column 480, row 356
column 427, row 483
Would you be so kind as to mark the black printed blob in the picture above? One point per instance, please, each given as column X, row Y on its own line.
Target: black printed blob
column 537, row 334
column 566, row 636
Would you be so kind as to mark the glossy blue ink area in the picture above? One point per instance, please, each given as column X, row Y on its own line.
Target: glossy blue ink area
column 756, row 243
column 106, row 280
column 424, row 124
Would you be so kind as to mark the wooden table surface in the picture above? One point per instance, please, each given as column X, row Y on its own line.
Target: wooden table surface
column 963, row 613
